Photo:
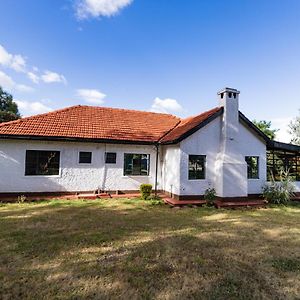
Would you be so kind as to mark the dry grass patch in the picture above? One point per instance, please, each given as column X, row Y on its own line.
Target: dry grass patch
column 112, row 249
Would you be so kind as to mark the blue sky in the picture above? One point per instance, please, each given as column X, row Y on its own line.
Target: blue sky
column 162, row 55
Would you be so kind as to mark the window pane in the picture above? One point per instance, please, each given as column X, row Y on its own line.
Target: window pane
column 197, row 166
column 85, row 157
column 136, row 164
column 110, row 157
column 253, row 167
column 42, row 162
column 128, row 164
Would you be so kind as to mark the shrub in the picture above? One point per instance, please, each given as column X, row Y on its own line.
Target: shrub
column 156, row 202
column 210, row 195
column 145, row 190
column 279, row 192
column 21, row 199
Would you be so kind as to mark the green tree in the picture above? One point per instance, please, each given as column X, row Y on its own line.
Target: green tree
column 294, row 130
column 265, row 127
column 8, row 108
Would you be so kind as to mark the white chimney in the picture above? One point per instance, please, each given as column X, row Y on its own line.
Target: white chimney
column 231, row 167
column 229, row 99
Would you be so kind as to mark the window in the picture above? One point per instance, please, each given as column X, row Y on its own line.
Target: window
column 110, row 157
column 253, row 166
column 283, row 161
column 85, row 157
column 136, row 164
column 197, row 167
column 41, row 162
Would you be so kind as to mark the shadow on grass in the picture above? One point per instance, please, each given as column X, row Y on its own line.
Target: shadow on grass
column 131, row 249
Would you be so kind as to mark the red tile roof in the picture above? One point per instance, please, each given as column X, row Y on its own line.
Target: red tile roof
column 102, row 123
column 189, row 125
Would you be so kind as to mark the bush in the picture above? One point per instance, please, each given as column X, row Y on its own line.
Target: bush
column 146, row 190
column 21, row 199
column 279, row 192
column 210, row 195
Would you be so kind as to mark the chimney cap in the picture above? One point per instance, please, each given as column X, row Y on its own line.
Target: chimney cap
column 228, row 90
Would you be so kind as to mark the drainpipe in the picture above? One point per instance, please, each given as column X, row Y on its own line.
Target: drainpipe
column 156, row 171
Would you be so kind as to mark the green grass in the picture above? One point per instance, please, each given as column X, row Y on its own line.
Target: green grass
column 112, row 249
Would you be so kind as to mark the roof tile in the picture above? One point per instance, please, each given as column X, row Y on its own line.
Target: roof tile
column 103, row 123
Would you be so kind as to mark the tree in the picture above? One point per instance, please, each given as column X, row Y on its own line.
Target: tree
column 294, row 130
column 265, row 127
column 8, row 108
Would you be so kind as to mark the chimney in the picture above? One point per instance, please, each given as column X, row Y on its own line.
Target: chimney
column 231, row 168
column 229, row 99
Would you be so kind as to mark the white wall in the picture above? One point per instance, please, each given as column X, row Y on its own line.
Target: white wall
column 171, row 168
column 251, row 145
column 172, row 171
column 205, row 141
column 73, row 176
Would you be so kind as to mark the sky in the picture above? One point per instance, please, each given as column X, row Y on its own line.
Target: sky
column 157, row 55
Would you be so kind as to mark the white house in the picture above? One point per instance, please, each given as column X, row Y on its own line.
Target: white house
column 84, row 148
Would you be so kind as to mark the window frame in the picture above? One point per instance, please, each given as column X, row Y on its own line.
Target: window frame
column 204, row 166
column 115, row 158
column 85, row 163
column 148, row 164
column 250, row 168
column 42, row 175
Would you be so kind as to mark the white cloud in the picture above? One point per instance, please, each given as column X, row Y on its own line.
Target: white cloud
column 91, row 96
column 15, row 62
column 50, row 77
column 9, row 84
column 99, row 8
column 33, row 77
column 23, row 88
column 18, row 63
column 32, row 108
column 166, row 105
column 283, row 125
column 6, row 82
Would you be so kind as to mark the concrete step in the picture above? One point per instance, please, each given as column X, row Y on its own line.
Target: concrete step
column 237, row 204
column 174, row 202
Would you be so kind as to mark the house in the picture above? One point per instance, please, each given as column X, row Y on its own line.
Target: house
column 84, row 148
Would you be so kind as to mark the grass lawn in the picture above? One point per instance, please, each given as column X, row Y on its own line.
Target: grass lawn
column 130, row 249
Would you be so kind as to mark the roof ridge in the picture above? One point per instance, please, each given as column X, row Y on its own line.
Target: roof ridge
column 205, row 112
column 133, row 110
column 38, row 115
column 90, row 106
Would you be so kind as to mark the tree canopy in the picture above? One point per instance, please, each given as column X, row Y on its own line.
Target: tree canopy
column 8, row 108
column 265, row 127
column 294, row 130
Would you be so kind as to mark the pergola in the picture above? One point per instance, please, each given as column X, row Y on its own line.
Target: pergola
column 282, row 157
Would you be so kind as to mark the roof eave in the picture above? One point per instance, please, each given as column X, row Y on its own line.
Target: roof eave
column 75, row 139
column 275, row 145
column 271, row 144
column 254, row 128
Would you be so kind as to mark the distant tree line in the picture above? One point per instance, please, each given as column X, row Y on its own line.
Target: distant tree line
column 294, row 129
